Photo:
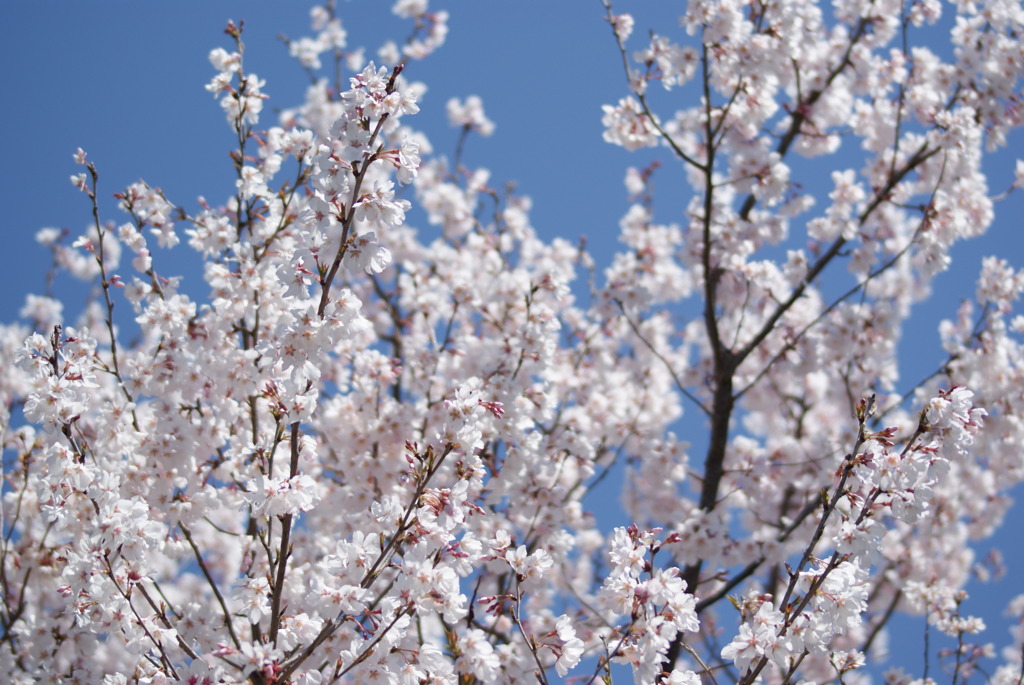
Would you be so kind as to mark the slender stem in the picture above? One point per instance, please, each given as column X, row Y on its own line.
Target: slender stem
column 528, row 639
column 212, row 583
column 432, row 464
column 284, row 550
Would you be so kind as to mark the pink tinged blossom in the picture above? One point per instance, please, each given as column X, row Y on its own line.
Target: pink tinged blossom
column 681, row 677
column 477, row 656
column 570, row 651
column 368, row 255
column 623, row 24
column 409, row 8
column 683, row 609
column 761, row 637
column 45, row 311
column 330, row 599
column 953, row 408
column 380, row 208
column 999, row 285
column 270, row 497
column 434, row 31
column 627, row 125
column 470, row 115
column 252, row 184
column 675, row 65
column 402, row 102
column 256, row 657
column 407, row 161
column 617, row 593
column 634, row 181
column 842, row 598
column 530, row 567
column 925, row 11
column 222, row 60
column 861, row 540
column 307, row 51
column 48, row 236
column 333, row 35
column 253, row 598
column 744, row 649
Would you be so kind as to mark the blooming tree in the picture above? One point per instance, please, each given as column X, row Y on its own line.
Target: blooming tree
column 368, row 454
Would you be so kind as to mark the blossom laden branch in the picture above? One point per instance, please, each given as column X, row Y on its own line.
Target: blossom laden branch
column 384, row 444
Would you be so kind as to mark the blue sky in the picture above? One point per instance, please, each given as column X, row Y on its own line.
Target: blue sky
column 124, row 81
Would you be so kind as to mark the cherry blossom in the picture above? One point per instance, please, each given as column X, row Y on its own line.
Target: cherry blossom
column 370, row 446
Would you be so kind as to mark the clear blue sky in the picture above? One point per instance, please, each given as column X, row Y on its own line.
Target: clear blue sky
column 124, row 81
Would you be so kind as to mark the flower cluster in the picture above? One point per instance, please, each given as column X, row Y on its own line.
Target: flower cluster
column 378, row 448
